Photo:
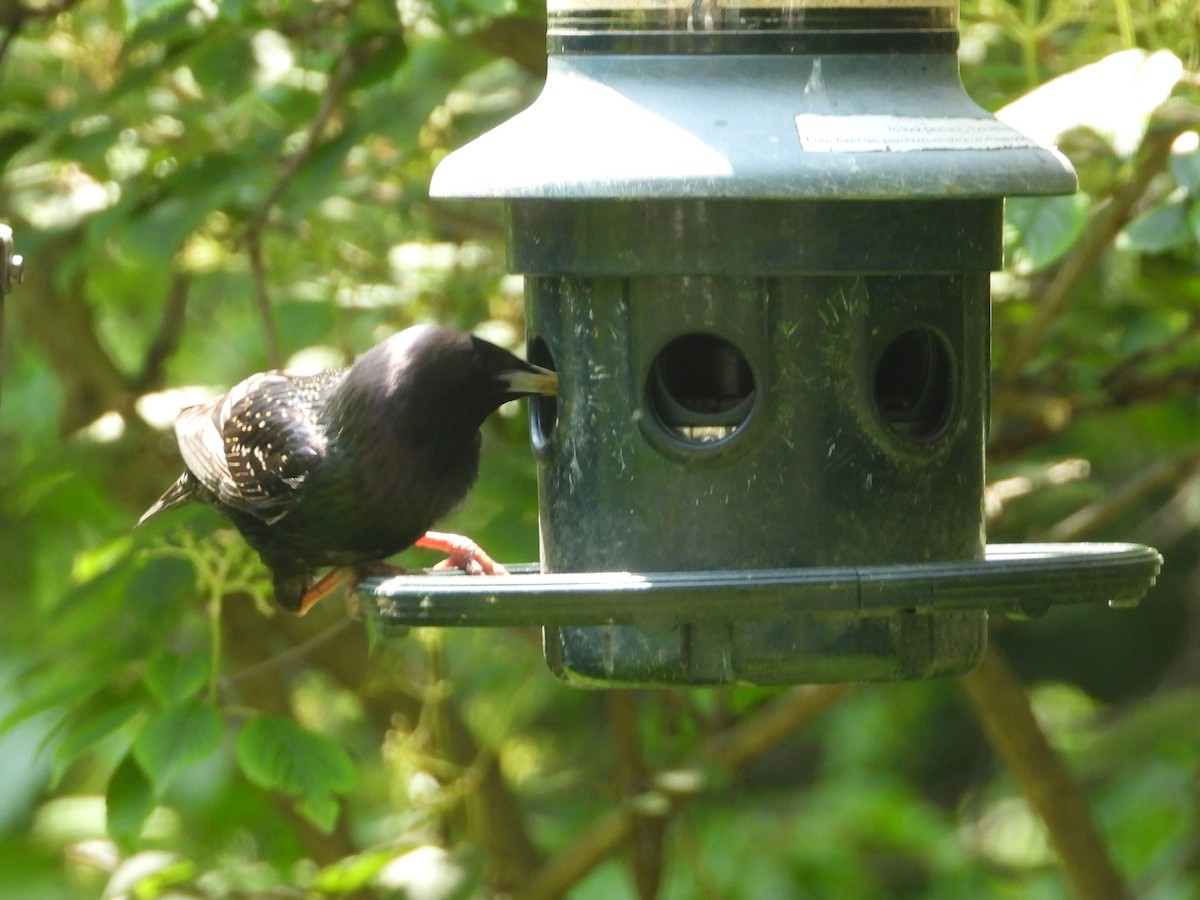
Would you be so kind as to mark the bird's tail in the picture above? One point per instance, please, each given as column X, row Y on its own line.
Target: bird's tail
column 176, row 495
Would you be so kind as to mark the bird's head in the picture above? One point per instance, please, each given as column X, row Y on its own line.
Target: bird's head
column 432, row 378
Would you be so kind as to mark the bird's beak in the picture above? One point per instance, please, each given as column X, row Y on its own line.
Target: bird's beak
column 529, row 379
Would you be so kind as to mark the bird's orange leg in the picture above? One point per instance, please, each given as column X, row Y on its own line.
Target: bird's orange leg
column 325, row 585
column 462, row 553
column 343, row 576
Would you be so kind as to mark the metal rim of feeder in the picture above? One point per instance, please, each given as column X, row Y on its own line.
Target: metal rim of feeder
column 1023, row 580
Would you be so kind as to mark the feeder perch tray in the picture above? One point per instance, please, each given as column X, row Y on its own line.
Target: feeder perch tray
column 1022, row 580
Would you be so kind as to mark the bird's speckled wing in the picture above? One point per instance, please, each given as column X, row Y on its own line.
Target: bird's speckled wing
column 254, row 447
column 273, row 439
column 198, row 433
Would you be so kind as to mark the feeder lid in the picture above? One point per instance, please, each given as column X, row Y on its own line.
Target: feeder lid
column 753, row 125
column 1018, row 579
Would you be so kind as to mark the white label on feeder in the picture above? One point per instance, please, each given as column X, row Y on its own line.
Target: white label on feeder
column 902, row 134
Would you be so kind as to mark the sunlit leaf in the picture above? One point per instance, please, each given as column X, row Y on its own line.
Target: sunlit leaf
column 352, row 873
column 276, row 753
column 138, row 12
column 1185, row 167
column 175, row 738
column 1113, row 97
column 1047, row 226
column 1163, row 228
column 172, row 678
column 321, row 810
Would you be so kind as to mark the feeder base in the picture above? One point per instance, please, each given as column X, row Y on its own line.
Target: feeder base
column 771, row 626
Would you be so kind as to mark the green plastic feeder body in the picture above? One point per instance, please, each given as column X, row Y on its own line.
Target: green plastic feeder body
column 756, row 243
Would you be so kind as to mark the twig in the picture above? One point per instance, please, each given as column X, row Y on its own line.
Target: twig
column 348, row 65
column 1007, row 718
column 262, row 298
column 290, row 655
column 10, row 37
column 646, row 836
column 758, row 733
column 166, row 339
column 1118, row 375
column 1089, row 519
column 728, row 752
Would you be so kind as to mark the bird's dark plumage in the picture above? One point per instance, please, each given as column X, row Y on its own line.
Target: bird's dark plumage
column 348, row 466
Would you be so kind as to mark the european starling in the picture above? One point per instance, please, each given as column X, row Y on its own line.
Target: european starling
column 346, row 467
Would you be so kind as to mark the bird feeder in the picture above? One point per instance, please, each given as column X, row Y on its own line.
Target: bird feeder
column 756, row 241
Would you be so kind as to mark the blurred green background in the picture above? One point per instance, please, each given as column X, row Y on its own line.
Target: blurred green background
column 206, row 189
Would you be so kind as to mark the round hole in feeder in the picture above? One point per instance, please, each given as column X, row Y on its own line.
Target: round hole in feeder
column 914, row 385
column 701, row 388
column 543, row 409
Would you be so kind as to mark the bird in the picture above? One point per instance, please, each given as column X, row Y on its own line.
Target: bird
column 346, row 467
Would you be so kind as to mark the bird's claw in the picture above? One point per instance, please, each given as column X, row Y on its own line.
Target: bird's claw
column 461, row 553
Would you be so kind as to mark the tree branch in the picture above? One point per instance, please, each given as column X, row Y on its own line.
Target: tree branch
column 262, row 298
column 519, row 38
column 14, row 17
column 166, row 339
column 646, row 836
column 1106, row 223
column 54, row 314
column 728, row 752
column 1003, row 709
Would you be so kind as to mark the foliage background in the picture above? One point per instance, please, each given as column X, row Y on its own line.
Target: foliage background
column 205, row 189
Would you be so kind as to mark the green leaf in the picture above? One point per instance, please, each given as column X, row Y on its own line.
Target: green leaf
column 88, row 730
column 155, row 230
column 276, row 753
column 353, row 873
column 128, row 802
column 51, row 690
column 1194, row 220
column 175, row 738
column 493, row 7
column 159, row 592
column 1185, row 167
column 1047, row 226
column 382, row 66
column 173, row 679
column 225, row 68
column 140, row 11
column 1162, row 228
column 321, row 810
column 316, row 180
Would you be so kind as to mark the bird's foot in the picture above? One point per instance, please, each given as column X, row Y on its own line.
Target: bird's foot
column 462, row 553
